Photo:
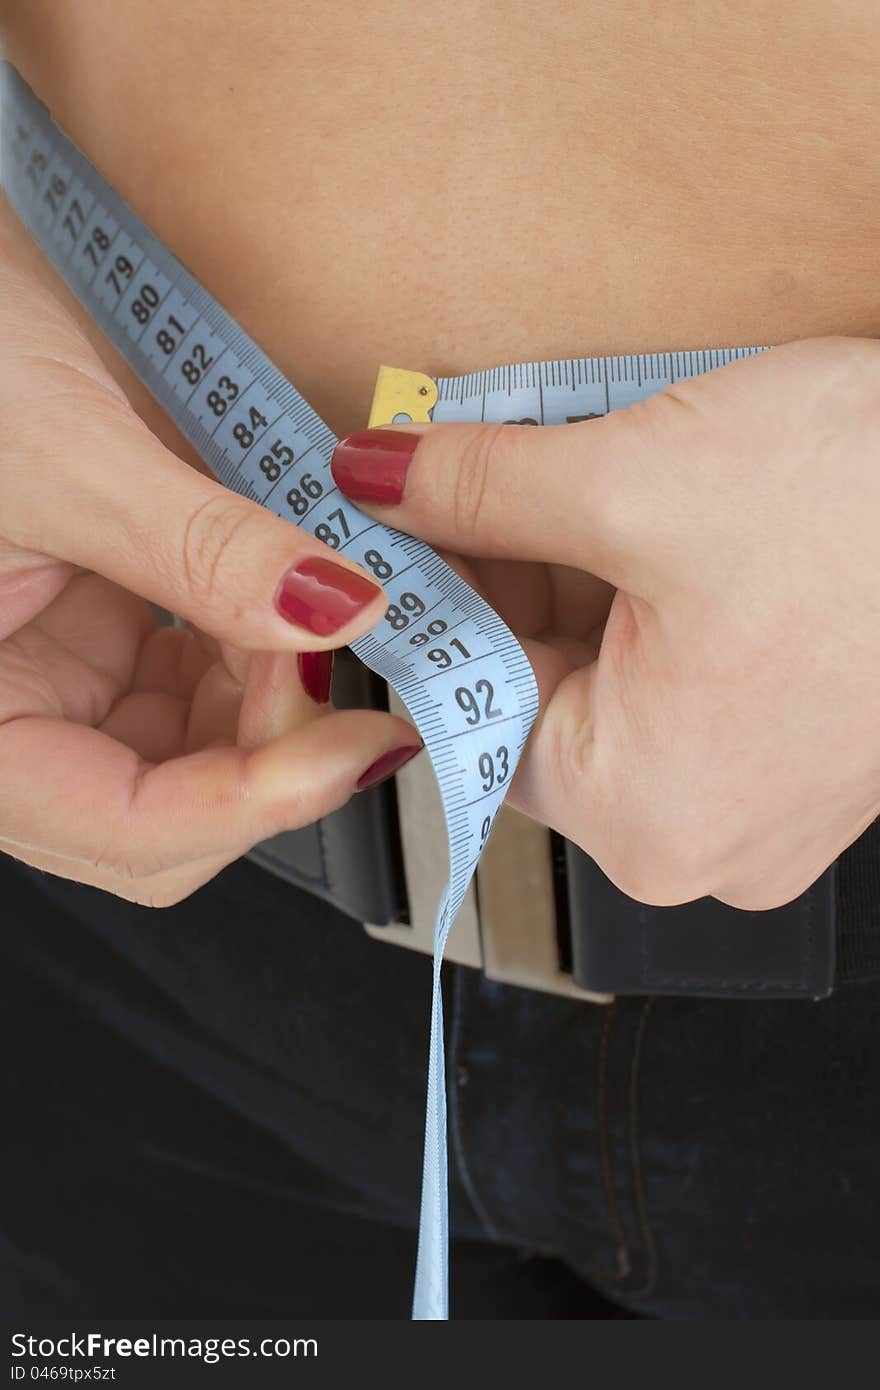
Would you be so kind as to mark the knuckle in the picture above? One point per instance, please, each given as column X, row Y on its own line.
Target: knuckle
column 763, row 885
column 116, row 861
column 214, row 533
column 647, row 872
column 655, row 426
column 659, row 861
column 747, row 900
column 293, row 812
column 122, row 858
column 481, row 461
column 162, row 897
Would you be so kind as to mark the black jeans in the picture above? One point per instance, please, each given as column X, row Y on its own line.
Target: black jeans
column 216, row 1110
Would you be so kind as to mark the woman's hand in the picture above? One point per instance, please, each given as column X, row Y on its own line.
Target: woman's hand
column 137, row 758
column 697, row 583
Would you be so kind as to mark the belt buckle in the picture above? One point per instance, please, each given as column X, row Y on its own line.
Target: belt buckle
column 507, row 924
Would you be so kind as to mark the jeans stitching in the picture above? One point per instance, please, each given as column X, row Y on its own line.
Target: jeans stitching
column 649, row 1242
column 456, row 1115
column 618, row 1233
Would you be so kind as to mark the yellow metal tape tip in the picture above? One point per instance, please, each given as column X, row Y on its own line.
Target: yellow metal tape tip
column 401, row 397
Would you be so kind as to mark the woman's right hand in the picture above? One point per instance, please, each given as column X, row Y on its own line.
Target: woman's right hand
column 137, row 758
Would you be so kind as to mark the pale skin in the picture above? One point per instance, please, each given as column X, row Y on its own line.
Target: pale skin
column 697, row 583
column 725, row 740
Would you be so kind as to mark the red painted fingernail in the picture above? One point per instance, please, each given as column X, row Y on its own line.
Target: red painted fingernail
column 371, row 466
column 316, row 674
column 322, row 596
column 386, row 766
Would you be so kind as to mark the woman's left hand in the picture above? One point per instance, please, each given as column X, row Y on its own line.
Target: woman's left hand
column 696, row 581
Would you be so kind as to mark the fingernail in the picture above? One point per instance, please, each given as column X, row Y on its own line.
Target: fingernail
column 316, row 674
column 386, row 766
column 322, row 596
column 371, row 466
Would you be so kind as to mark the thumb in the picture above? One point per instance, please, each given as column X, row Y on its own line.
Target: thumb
column 114, row 500
column 563, row 494
column 83, row 480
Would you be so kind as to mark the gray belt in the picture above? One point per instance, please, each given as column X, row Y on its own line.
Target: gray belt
column 544, row 916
